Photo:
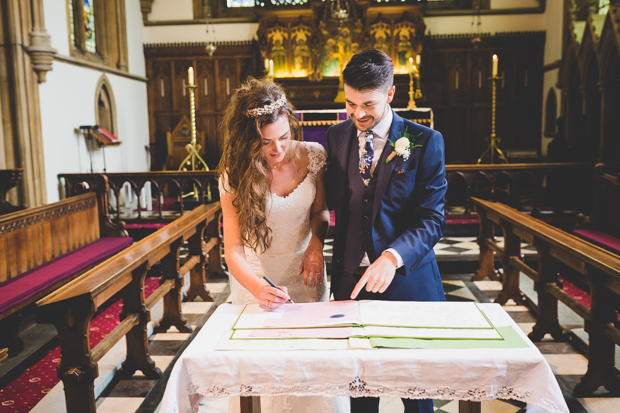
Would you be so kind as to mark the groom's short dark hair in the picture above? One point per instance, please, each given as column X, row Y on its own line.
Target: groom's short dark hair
column 369, row 69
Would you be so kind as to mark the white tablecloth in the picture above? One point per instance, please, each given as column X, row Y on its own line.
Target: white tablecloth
column 463, row 374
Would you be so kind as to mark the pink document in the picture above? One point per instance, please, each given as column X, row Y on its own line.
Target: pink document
column 331, row 332
column 322, row 314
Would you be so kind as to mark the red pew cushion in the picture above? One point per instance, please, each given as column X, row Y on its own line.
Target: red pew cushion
column 609, row 242
column 32, row 282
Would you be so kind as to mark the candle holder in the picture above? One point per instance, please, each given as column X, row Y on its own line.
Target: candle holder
column 416, row 76
column 193, row 159
column 414, row 86
column 412, row 95
column 493, row 141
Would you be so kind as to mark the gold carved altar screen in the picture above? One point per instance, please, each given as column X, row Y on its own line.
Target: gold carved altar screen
column 312, row 40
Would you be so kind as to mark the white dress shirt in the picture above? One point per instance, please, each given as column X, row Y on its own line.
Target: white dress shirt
column 381, row 133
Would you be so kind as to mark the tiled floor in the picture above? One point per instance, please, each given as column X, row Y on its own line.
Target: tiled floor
column 141, row 395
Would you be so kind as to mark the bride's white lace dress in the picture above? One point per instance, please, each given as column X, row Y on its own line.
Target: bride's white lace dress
column 289, row 220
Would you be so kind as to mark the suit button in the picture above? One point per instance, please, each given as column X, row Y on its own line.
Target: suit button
column 366, row 216
column 361, row 248
column 367, row 232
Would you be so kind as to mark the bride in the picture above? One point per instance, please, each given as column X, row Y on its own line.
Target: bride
column 275, row 213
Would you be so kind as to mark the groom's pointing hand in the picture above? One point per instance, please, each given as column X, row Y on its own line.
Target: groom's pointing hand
column 378, row 276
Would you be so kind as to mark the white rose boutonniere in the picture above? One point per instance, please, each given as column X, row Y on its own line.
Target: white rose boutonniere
column 403, row 146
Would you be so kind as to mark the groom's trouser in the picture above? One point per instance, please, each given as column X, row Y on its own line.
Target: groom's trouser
column 371, row 404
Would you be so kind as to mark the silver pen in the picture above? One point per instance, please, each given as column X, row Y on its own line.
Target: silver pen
column 275, row 286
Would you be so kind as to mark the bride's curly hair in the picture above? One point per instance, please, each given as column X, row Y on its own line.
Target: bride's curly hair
column 242, row 159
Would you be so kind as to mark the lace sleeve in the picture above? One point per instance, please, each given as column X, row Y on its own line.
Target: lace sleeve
column 316, row 156
column 222, row 184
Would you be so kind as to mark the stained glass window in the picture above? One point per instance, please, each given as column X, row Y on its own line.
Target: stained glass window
column 251, row 3
column 89, row 26
column 240, row 3
column 71, row 22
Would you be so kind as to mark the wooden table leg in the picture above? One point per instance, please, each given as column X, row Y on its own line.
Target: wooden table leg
column 467, row 406
column 250, row 404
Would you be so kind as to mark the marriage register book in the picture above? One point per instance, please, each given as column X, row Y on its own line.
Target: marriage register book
column 346, row 319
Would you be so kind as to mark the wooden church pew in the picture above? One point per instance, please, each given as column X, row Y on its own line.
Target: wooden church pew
column 600, row 267
column 602, row 227
column 45, row 247
column 71, row 308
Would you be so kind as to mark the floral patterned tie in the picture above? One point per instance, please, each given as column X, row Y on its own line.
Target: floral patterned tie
column 366, row 158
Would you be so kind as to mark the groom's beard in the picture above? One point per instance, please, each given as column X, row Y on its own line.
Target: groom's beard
column 370, row 121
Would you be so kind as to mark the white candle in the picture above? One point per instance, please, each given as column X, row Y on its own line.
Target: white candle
column 190, row 75
column 495, row 64
column 417, row 59
column 227, row 86
column 411, row 64
column 271, row 68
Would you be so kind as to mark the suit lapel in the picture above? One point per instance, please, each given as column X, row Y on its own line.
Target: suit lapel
column 385, row 170
column 347, row 145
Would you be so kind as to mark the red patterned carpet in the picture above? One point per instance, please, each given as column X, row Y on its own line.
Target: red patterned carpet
column 578, row 294
column 22, row 394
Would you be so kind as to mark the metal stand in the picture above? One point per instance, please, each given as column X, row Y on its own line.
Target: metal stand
column 193, row 159
column 87, row 132
column 493, row 140
column 414, row 73
column 411, row 104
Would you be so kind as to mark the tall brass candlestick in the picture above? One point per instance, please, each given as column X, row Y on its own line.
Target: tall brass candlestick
column 411, row 104
column 416, row 75
column 493, row 140
column 193, row 159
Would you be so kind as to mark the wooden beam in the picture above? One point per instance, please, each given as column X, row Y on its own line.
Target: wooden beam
column 113, row 337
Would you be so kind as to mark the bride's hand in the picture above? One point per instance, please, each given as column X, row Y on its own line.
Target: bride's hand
column 312, row 264
column 270, row 298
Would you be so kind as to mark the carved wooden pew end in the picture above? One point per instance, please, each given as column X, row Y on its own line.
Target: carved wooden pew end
column 72, row 307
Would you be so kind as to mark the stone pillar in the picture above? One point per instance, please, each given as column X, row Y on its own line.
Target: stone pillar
column 25, row 58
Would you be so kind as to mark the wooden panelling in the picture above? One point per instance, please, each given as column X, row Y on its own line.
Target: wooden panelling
column 216, row 79
column 37, row 235
column 463, row 109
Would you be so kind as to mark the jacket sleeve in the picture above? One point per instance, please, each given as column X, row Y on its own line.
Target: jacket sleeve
column 426, row 216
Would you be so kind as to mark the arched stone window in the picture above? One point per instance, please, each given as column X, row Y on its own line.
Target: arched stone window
column 97, row 31
column 551, row 110
column 105, row 106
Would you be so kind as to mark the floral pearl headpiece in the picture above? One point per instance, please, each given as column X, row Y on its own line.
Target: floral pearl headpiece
column 256, row 112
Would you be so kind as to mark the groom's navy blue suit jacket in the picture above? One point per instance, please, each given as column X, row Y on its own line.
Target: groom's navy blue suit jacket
column 408, row 210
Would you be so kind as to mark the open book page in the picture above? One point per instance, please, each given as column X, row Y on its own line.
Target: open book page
column 369, row 331
column 289, row 333
column 321, row 314
column 226, row 343
column 422, row 314
column 433, row 333
column 510, row 339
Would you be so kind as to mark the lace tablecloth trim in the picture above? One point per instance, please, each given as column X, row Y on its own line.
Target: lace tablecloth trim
column 358, row 388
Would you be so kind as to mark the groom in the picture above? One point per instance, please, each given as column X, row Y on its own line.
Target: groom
column 388, row 200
